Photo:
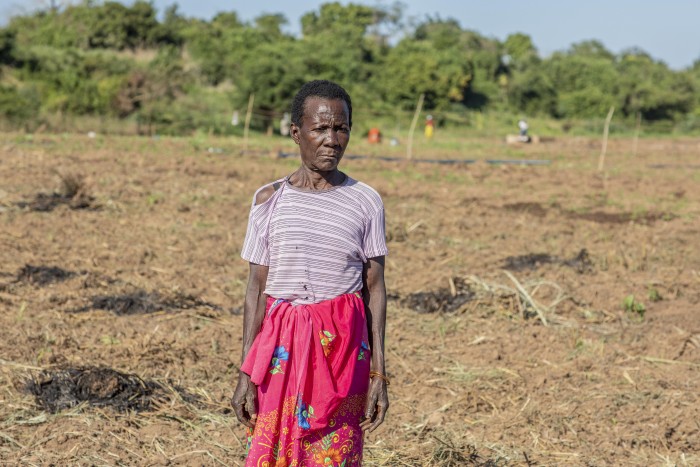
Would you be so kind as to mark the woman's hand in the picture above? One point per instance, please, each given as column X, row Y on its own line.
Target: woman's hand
column 245, row 397
column 374, row 295
column 245, row 401
column 377, row 405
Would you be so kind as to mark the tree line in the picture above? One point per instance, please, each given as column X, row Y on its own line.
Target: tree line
column 179, row 73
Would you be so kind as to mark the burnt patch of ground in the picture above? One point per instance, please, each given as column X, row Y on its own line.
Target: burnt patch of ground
column 43, row 202
column 442, row 300
column 42, row 275
column 98, row 386
column 142, row 302
column 601, row 217
column 72, row 193
column 529, row 261
column 582, row 262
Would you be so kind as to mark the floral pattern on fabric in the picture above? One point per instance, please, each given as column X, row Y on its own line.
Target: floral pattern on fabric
column 249, row 440
column 280, row 355
column 310, row 414
column 340, row 445
column 329, row 455
column 304, row 412
column 364, row 348
column 326, row 339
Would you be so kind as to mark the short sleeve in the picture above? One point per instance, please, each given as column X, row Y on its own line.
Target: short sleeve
column 374, row 241
column 255, row 247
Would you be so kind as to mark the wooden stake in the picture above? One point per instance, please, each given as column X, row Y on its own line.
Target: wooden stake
column 419, row 107
column 601, row 160
column 248, row 114
column 636, row 134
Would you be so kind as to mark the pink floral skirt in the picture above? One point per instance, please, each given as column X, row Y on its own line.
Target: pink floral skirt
column 311, row 365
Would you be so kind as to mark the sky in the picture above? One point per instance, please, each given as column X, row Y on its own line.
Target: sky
column 668, row 29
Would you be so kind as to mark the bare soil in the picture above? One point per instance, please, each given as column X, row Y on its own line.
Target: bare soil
column 508, row 341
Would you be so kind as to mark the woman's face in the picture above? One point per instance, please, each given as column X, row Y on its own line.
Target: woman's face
column 324, row 133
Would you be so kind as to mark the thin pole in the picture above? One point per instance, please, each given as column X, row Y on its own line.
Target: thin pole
column 601, row 160
column 636, row 134
column 409, row 148
column 248, row 114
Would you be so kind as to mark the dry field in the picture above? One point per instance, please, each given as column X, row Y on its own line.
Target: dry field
column 539, row 315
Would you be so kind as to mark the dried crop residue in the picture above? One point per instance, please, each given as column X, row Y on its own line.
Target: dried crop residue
column 602, row 217
column 448, row 453
column 73, row 193
column 581, row 262
column 529, row 261
column 143, row 302
column 100, row 387
column 444, row 299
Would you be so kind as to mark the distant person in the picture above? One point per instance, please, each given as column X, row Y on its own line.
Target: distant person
column 522, row 125
column 374, row 136
column 429, row 127
column 284, row 124
column 315, row 306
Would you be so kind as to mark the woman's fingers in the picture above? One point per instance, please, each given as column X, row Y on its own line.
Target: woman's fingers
column 244, row 403
column 381, row 413
column 238, row 408
column 377, row 406
column 252, row 405
column 370, row 408
column 243, row 416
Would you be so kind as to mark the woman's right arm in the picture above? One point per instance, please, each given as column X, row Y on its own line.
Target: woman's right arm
column 244, row 401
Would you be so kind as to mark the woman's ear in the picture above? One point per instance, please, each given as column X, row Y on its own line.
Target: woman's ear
column 294, row 131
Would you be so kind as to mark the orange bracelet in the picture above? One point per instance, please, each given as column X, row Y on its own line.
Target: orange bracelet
column 372, row 374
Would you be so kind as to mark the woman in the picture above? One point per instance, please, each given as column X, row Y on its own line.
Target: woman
column 315, row 306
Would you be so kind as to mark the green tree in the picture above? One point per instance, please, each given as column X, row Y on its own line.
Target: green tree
column 652, row 89
column 520, row 48
column 7, row 46
column 417, row 67
column 533, row 92
column 274, row 78
column 19, row 105
column 345, row 44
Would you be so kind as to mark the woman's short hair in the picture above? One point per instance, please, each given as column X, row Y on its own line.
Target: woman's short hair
column 319, row 88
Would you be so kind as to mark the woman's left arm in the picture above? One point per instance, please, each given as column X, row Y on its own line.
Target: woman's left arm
column 374, row 295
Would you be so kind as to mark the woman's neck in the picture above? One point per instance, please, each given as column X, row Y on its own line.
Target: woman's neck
column 311, row 180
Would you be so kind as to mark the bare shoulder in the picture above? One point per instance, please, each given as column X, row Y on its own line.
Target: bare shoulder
column 265, row 193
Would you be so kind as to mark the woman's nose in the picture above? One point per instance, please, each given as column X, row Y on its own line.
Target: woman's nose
column 332, row 138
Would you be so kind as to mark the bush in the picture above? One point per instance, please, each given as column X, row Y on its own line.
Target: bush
column 19, row 105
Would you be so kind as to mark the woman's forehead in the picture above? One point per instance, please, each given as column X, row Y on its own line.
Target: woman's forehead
column 319, row 107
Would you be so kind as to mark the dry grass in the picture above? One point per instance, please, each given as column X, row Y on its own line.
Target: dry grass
column 487, row 384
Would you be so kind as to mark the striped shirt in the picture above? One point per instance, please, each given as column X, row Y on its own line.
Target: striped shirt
column 315, row 242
